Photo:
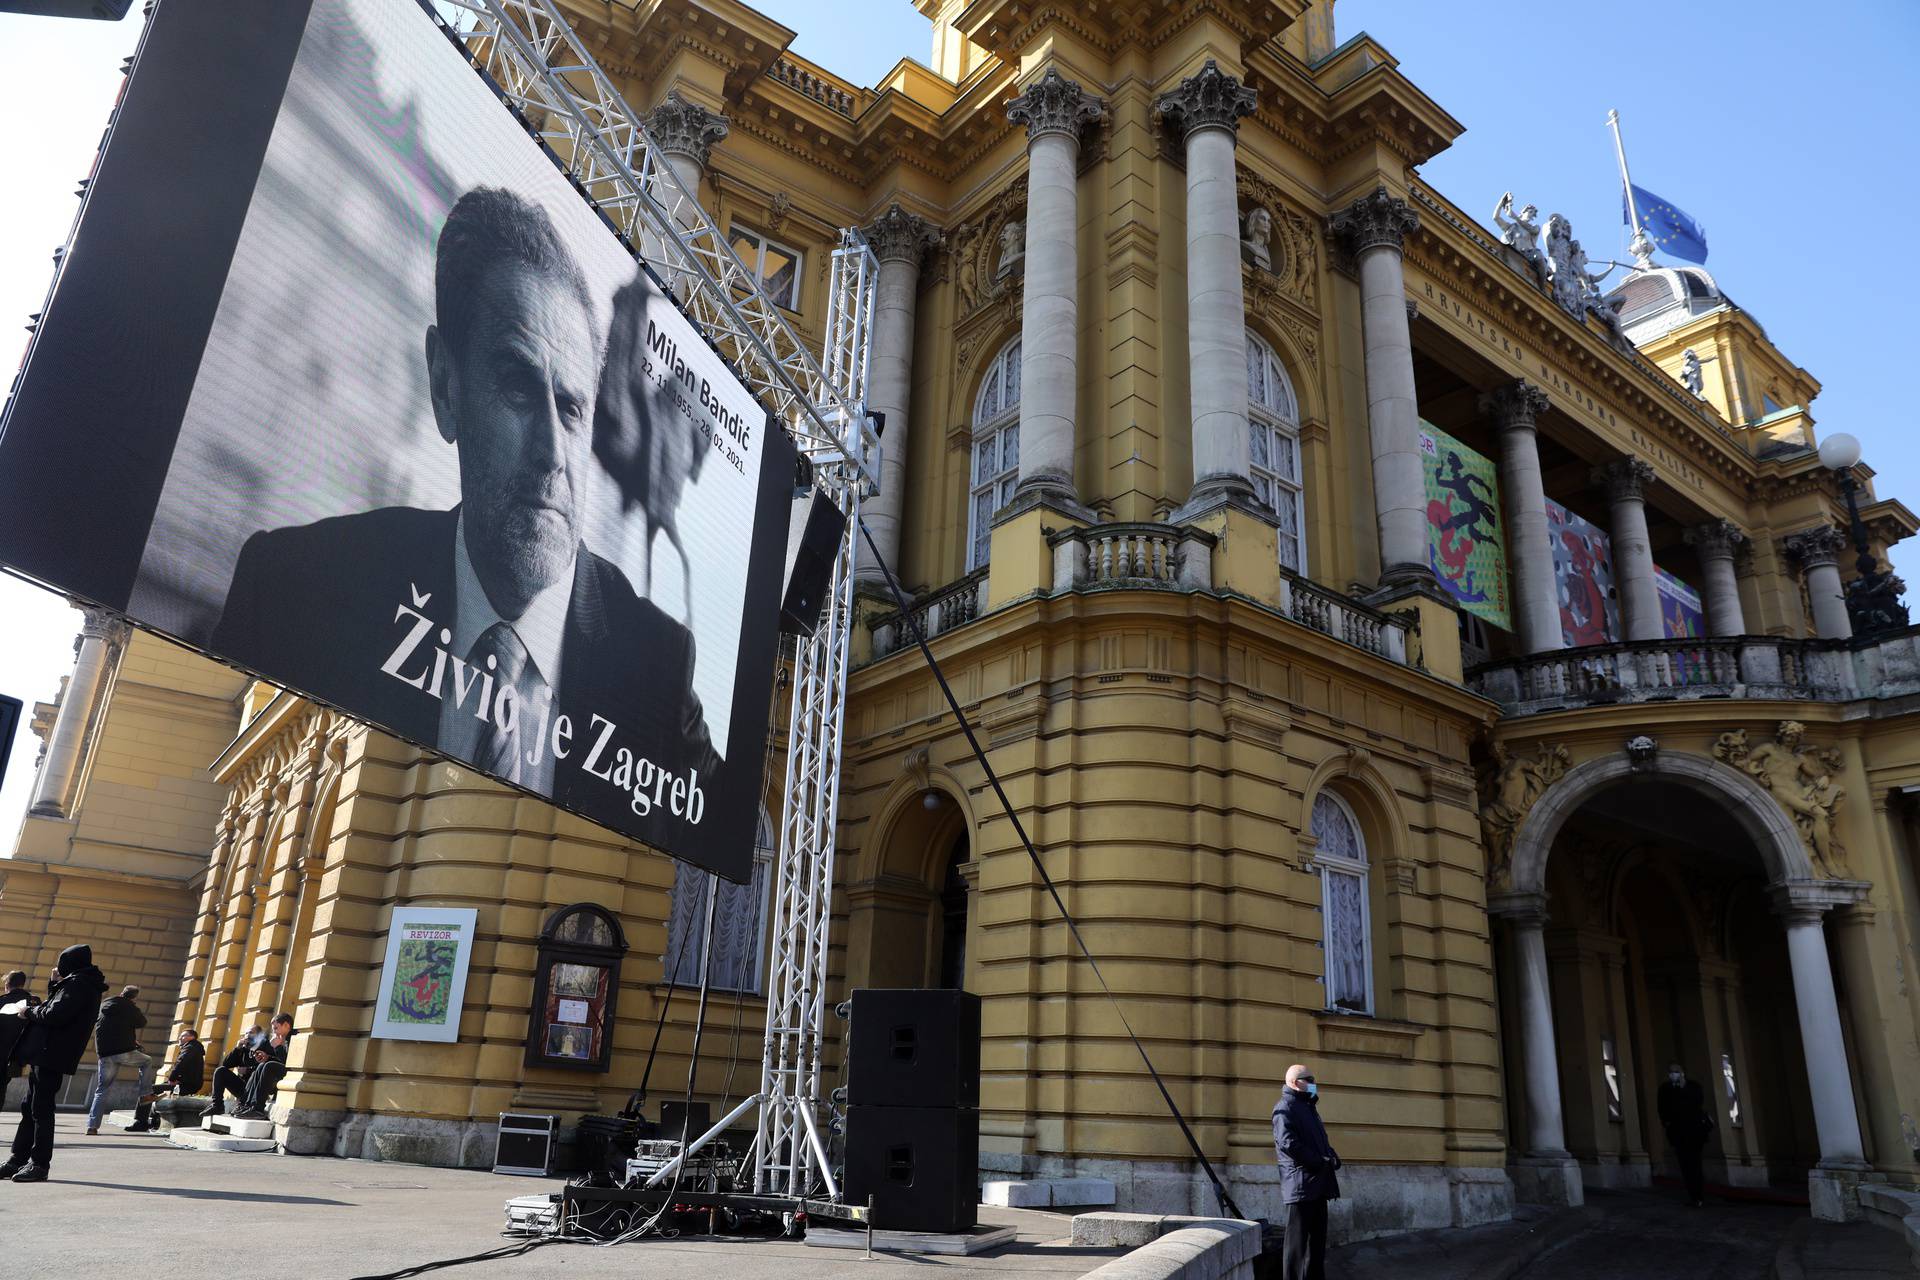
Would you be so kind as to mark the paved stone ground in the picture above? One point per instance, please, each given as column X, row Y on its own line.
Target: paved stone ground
column 120, row 1197
column 1831, row 1251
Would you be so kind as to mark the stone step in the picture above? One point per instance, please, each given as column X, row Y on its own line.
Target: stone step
column 118, row 1119
column 205, row 1140
column 234, row 1128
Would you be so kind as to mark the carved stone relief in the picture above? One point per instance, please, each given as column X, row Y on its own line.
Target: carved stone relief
column 1801, row 779
column 1510, row 786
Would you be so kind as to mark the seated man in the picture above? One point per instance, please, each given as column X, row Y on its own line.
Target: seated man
column 269, row 1064
column 188, row 1074
column 244, row 1059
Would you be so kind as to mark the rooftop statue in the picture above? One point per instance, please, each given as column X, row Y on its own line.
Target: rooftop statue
column 1521, row 233
column 1690, row 376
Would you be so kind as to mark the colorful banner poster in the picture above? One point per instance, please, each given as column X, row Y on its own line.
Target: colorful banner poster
column 424, row 980
column 1681, row 617
column 1466, row 539
column 1583, row 570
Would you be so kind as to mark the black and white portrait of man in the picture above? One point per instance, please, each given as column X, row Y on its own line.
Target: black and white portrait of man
column 513, row 362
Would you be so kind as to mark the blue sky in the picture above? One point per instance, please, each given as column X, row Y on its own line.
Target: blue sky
column 1780, row 126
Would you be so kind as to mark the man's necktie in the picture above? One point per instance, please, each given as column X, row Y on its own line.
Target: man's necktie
column 497, row 750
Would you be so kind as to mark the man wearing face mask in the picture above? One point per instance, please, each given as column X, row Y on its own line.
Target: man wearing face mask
column 1307, row 1168
column 1683, row 1114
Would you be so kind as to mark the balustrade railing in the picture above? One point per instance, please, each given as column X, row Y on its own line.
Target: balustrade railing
column 1330, row 613
column 1133, row 555
column 953, row 605
column 1768, row 667
column 810, row 84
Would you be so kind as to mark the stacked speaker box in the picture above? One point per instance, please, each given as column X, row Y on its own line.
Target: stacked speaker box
column 913, row 1108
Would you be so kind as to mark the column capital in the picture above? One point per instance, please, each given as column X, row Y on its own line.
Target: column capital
column 1515, row 405
column 1805, row 901
column 101, row 624
column 1375, row 221
column 1524, row 910
column 899, row 236
column 1716, row 539
column 683, row 128
column 1055, row 104
column 1624, row 479
column 1816, row 547
column 1208, row 99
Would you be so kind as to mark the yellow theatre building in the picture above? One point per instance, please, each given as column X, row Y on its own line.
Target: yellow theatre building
column 1409, row 660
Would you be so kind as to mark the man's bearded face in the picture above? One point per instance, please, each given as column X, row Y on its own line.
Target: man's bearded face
column 522, row 402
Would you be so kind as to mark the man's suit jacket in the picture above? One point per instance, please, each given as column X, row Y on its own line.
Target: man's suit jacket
column 317, row 606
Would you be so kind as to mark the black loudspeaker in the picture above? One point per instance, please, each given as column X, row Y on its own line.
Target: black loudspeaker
column 914, row 1048
column 919, row 1164
column 676, row 1115
column 814, row 530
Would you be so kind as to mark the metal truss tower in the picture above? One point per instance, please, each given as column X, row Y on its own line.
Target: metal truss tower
column 547, row 76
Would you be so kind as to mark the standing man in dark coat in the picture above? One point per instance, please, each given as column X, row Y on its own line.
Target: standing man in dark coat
column 116, row 1044
column 1307, row 1174
column 57, row 1033
column 1683, row 1114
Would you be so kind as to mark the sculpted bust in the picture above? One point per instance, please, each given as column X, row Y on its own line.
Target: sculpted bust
column 1256, row 238
column 1013, row 250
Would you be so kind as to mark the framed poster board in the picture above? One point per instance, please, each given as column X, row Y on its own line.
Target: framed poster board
column 576, row 987
column 423, row 982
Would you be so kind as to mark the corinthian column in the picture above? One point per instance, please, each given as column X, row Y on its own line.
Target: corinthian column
column 1208, row 107
column 685, row 132
column 1375, row 228
column 1054, row 109
column 899, row 240
column 1513, row 409
column 1715, row 543
column 1625, row 482
column 1818, row 551
column 101, row 635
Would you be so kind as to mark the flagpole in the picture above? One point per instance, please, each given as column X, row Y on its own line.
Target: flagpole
column 1640, row 246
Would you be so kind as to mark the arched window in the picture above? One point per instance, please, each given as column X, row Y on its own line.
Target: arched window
column 739, row 923
column 576, row 988
column 1340, row 851
column 996, row 449
column 1274, row 416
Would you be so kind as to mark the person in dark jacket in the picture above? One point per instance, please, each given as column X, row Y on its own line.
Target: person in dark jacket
column 1683, row 1114
column 116, row 1041
column 11, row 1029
column 57, row 1033
column 1308, row 1167
column 238, row 1067
column 188, row 1074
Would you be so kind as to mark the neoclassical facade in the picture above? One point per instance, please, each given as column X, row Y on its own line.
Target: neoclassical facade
column 1170, row 335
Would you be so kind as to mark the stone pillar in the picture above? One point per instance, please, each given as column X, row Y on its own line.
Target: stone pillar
column 1208, row 107
column 1374, row 229
column 101, row 635
column 1716, row 543
column 1818, row 552
column 1829, row 1081
column 1625, row 483
column 685, row 132
column 1513, row 409
column 899, row 240
column 1054, row 109
column 1546, row 1174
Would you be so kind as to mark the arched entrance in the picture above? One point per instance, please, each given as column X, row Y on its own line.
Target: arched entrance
column 911, row 898
column 1657, row 910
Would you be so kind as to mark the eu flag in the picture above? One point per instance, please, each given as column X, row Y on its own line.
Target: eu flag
column 1671, row 228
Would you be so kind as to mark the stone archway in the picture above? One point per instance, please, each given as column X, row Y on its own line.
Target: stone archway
column 1517, row 893
column 899, row 901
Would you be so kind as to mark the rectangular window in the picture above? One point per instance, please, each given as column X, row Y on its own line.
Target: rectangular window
column 739, row 929
column 996, row 469
column 1733, row 1089
column 1344, row 903
column 774, row 265
column 1611, row 1070
column 1275, row 472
